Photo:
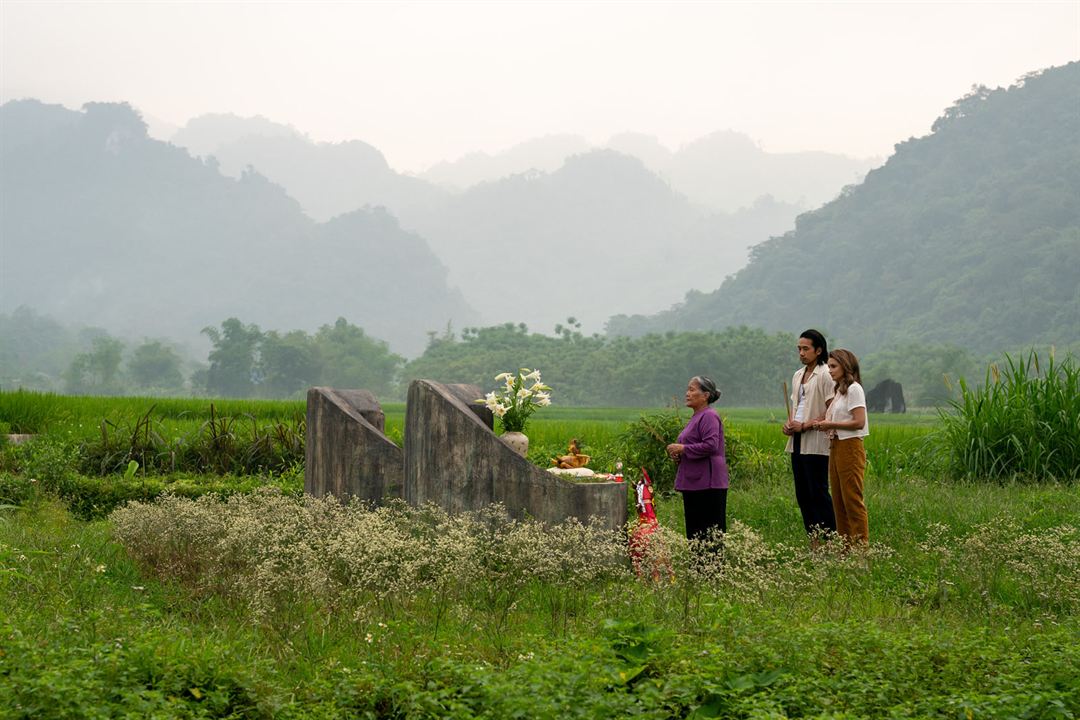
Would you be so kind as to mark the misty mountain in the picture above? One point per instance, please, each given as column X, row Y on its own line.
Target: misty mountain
column 101, row 225
column 600, row 233
column 727, row 170
column 327, row 179
column 968, row 236
column 545, row 154
column 206, row 134
column 599, row 215
column 724, row 171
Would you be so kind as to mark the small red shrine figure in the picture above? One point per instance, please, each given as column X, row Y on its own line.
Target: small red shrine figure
column 646, row 524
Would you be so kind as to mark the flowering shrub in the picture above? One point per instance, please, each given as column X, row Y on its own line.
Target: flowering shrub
column 273, row 553
column 279, row 558
column 515, row 403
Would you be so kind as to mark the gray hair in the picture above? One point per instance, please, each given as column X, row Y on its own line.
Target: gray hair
column 708, row 386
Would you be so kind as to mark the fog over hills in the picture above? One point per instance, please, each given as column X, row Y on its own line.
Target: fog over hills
column 725, row 171
column 968, row 236
column 101, row 225
column 600, row 233
column 545, row 154
column 209, row 134
column 328, row 179
column 600, row 214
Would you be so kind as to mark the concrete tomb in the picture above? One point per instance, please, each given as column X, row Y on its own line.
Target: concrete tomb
column 455, row 460
column 346, row 453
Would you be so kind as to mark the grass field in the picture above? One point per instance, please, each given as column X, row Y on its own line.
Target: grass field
column 965, row 606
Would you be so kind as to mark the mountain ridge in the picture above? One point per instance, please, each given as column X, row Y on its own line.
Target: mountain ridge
column 937, row 245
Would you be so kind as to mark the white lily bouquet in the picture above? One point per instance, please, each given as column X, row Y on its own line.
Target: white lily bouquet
column 517, row 400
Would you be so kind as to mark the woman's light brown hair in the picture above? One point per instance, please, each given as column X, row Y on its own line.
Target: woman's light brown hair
column 850, row 365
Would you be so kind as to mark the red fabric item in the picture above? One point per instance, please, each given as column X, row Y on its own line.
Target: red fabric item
column 646, row 524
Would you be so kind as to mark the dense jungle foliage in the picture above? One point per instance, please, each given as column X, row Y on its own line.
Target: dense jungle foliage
column 967, row 236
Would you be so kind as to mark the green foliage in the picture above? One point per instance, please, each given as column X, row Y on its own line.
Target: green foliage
column 352, row 359
column 25, row 411
column 96, row 372
column 246, row 362
column 233, row 358
column 1023, row 421
column 748, row 365
column 967, row 602
column 966, row 236
column 643, row 445
column 154, row 368
column 929, row 378
column 142, row 457
column 221, row 444
column 34, row 350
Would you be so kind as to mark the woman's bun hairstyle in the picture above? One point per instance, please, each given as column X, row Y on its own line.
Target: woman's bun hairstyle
column 708, row 386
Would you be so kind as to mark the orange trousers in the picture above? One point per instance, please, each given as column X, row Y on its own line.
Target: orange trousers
column 847, row 465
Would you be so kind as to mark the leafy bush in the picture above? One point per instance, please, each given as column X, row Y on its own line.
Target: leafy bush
column 17, row 489
column 220, row 445
column 1023, row 421
column 90, row 498
column 53, row 465
column 643, row 444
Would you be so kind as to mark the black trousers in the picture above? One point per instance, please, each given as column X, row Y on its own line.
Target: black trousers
column 812, row 489
column 705, row 510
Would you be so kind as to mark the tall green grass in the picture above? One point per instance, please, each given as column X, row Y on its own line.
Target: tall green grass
column 25, row 411
column 1024, row 421
column 34, row 412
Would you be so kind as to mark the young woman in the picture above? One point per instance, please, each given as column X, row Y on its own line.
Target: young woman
column 811, row 390
column 847, row 423
column 702, row 477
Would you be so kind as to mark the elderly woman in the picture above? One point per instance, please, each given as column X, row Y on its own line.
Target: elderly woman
column 702, row 476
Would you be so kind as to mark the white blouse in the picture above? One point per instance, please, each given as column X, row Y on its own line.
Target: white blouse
column 840, row 411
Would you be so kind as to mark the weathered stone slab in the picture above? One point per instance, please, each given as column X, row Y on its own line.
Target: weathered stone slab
column 346, row 453
column 453, row 459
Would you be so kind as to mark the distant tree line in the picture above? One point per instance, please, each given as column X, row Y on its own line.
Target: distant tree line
column 749, row 364
column 247, row 362
column 38, row 353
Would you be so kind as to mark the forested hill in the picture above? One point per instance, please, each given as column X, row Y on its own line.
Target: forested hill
column 968, row 236
column 102, row 225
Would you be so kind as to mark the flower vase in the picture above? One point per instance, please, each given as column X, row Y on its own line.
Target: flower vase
column 516, row 441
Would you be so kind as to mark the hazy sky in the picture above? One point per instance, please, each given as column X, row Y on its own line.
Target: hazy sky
column 425, row 82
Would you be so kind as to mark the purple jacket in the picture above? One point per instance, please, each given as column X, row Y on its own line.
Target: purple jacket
column 703, row 466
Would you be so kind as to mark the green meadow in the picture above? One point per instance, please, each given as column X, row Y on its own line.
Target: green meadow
column 234, row 597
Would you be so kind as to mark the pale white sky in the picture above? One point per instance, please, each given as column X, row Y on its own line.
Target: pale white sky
column 425, row 82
